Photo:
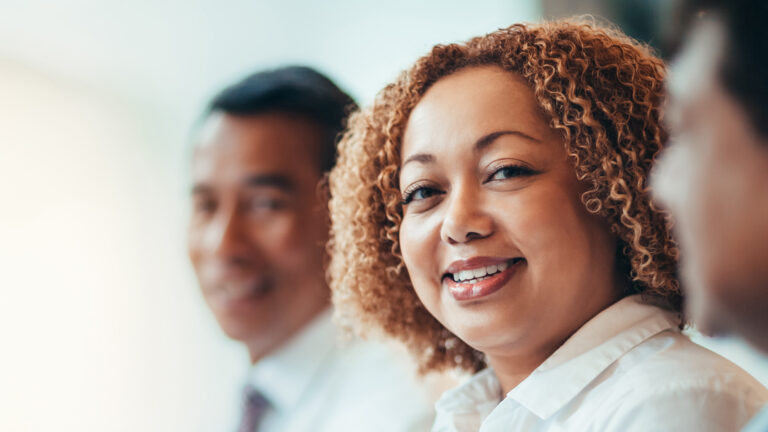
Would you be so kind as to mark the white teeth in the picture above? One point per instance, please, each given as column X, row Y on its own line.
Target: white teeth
column 466, row 274
column 478, row 274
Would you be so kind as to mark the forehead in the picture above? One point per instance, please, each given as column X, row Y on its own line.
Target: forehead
column 471, row 103
column 276, row 143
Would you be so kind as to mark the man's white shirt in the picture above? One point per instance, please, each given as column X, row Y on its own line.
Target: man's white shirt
column 628, row 369
column 317, row 383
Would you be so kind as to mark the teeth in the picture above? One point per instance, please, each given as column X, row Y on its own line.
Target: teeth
column 466, row 274
column 478, row 274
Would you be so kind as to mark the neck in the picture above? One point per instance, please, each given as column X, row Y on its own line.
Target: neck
column 512, row 369
column 264, row 346
column 512, row 366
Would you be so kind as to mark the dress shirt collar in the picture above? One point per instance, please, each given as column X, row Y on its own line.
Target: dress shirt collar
column 570, row 369
column 286, row 374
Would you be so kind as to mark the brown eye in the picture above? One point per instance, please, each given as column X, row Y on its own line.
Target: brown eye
column 510, row 171
column 204, row 206
column 420, row 193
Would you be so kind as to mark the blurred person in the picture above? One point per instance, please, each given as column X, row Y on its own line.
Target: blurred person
column 256, row 240
column 714, row 179
column 491, row 211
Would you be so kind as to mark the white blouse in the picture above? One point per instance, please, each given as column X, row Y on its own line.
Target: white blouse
column 628, row 369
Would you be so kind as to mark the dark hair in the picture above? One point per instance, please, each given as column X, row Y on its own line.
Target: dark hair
column 744, row 66
column 296, row 90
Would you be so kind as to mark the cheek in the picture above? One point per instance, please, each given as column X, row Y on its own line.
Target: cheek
column 281, row 240
column 563, row 243
column 196, row 247
column 418, row 243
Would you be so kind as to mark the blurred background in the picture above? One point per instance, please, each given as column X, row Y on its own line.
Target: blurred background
column 101, row 323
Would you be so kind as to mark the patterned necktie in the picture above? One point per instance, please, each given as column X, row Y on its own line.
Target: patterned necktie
column 254, row 409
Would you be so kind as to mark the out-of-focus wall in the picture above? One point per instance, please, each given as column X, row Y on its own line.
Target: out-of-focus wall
column 101, row 324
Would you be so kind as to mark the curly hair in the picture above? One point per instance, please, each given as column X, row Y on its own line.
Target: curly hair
column 600, row 89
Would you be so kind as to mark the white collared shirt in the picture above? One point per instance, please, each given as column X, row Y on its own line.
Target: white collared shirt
column 628, row 369
column 313, row 383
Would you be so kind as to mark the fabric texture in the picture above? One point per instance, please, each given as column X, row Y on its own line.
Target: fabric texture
column 628, row 369
column 316, row 383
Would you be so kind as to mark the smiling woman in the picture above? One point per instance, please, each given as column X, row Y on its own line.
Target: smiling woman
column 491, row 209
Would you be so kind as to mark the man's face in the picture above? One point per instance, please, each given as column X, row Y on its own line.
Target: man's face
column 714, row 181
column 258, row 225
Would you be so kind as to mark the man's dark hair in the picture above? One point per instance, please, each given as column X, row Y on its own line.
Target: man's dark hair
column 744, row 66
column 296, row 90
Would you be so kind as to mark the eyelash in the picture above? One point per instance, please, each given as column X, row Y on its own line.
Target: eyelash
column 516, row 171
column 411, row 191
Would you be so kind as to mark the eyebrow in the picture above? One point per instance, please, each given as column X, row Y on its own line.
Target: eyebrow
column 481, row 143
column 277, row 181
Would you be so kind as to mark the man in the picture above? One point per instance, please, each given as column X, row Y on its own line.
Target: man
column 714, row 179
column 256, row 240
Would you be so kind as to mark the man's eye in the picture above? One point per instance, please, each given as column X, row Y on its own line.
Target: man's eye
column 419, row 194
column 510, row 171
column 266, row 205
column 204, row 206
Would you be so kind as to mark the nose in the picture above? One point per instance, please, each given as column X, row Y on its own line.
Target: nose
column 226, row 237
column 667, row 182
column 465, row 218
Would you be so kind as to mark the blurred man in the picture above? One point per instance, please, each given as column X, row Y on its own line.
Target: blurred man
column 256, row 241
column 714, row 179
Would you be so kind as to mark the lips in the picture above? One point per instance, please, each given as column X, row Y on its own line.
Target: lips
column 233, row 286
column 480, row 276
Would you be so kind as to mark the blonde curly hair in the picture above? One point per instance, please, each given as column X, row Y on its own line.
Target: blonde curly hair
column 600, row 89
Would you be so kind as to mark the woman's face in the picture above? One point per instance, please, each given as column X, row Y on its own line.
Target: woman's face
column 497, row 243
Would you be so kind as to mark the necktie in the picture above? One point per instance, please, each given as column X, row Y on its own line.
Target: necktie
column 255, row 408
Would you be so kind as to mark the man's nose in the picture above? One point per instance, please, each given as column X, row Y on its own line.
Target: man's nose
column 668, row 181
column 227, row 237
column 466, row 218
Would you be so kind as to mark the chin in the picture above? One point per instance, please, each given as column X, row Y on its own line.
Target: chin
column 707, row 318
column 485, row 335
column 237, row 330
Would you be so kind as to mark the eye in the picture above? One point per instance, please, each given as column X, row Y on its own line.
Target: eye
column 419, row 193
column 510, row 171
column 265, row 204
column 203, row 205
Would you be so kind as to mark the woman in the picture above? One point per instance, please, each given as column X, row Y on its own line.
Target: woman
column 490, row 210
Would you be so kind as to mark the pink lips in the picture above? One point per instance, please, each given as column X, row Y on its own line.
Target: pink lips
column 464, row 291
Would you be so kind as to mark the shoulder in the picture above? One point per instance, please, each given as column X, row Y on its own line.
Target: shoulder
column 673, row 361
column 374, row 380
column 671, row 383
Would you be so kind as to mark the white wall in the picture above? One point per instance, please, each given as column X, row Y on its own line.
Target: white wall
column 101, row 324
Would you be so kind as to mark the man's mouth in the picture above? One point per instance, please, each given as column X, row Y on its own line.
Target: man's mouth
column 241, row 288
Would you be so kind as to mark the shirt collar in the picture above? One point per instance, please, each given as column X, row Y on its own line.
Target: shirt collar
column 569, row 370
column 585, row 355
column 284, row 375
